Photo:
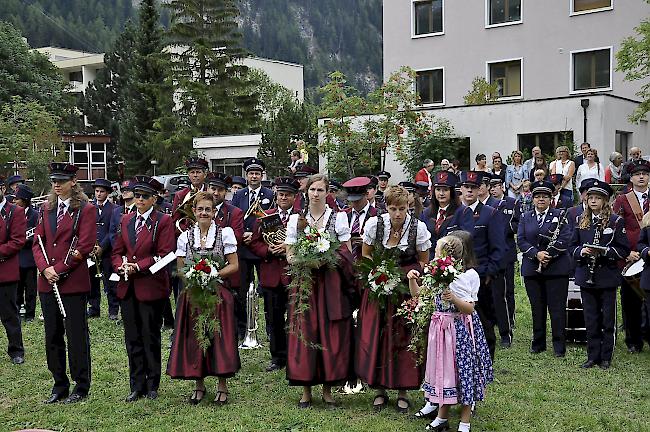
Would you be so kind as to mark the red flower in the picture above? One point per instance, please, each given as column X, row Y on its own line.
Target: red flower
column 382, row 278
column 207, row 269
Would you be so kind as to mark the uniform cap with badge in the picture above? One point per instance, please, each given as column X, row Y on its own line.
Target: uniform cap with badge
column 218, row 179
column 62, row 171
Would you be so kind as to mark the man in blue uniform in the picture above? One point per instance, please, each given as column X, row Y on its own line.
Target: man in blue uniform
column 102, row 250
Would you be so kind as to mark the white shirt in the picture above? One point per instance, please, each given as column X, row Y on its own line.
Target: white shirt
column 341, row 226
column 639, row 196
column 65, row 202
column 362, row 215
column 422, row 239
column 2, row 204
column 473, row 206
column 443, row 209
column 227, row 237
column 563, row 168
column 145, row 215
column 466, row 286
column 595, row 172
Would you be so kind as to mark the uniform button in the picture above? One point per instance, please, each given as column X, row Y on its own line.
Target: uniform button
column 54, row 245
column 134, row 257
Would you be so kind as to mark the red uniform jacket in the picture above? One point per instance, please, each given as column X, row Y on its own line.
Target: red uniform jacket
column 147, row 286
column 632, row 228
column 233, row 217
column 73, row 274
column 273, row 268
column 13, row 226
column 422, row 176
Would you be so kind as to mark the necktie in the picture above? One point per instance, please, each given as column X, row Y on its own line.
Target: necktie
column 60, row 214
column 540, row 219
column 646, row 203
column 356, row 225
column 440, row 220
column 139, row 226
column 284, row 216
column 252, row 198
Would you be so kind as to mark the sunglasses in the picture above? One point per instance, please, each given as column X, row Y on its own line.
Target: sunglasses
column 142, row 195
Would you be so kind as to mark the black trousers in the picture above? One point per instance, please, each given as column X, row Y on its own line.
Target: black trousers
column 27, row 291
column 485, row 309
column 275, row 309
column 246, row 268
column 501, row 307
column 11, row 319
column 599, row 307
column 75, row 328
column 548, row 294
column 95, row 296
column 510, row 291
column 142, row 322
column 631, row 306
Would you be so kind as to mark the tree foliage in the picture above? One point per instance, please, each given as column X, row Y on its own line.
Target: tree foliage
column 482, row 92
column 634, row 60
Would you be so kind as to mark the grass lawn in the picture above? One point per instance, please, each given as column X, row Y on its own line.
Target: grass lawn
column 530, row 393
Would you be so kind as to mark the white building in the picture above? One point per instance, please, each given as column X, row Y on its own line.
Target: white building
column 79, row 68
column 549, row 59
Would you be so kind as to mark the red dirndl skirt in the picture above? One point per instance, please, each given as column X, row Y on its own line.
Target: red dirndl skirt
column 187, row 360
column 382, row 359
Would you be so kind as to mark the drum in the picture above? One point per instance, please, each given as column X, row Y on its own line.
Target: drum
column 632, row 275
column 576, row 332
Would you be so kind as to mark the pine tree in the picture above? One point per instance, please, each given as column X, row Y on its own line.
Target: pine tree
column 214, row 93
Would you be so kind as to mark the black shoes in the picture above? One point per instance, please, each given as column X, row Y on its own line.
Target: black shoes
column 195, row 399
column 91, row 314
column 380, row 406
column 633, row 349
column 537, row 350
column 134, row 396
column 18, row 360
column 274, row 366
column 112, row 317
column 588, row 364
column 440, row 428
column 560, row 354
column 505, row 344
column 304, row 404
column 604, row 365
column 152, row 395
column 55, row 397
column 429, row 411
column 74, row 398
column 403, row 410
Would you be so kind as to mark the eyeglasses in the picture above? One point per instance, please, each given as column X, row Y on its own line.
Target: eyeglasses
column 142, row 195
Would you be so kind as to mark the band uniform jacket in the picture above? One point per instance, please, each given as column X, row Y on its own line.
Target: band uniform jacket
column 104, row 226
column 73, row 274
column 462, row 219
column 508, row 210
column 142, row 251
column 116, row 218
column 532, row 239
column 622, row 208
column 26, row 256
column 12, row 238
column 241, row 201
column 561, row 202
column 273, row 268
column 230, row 216
column 607, row 270
column 643, row 247
column 489, row 242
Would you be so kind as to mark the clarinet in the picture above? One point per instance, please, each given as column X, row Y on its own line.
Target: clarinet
column 553, row 239
column 596, row 242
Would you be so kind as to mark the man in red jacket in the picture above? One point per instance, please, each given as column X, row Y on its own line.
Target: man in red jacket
column 144, row 236
column 68, row 233
column 273, row 270
column 424, row 175
column 12, row 238
column 631, row 207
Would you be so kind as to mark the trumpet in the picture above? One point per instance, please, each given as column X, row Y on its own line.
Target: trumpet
column 97, row 261
column 185, row 211
column 250, row 340
column 591, row 267
column 255, row 209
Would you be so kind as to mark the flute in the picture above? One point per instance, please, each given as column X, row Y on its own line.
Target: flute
column 55, row 286
column 126, row 273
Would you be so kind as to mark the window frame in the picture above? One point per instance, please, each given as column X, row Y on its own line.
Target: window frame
column 444, row 93
column 572, row 90
column 521, row 76
column 425, row 35
column 509, row 23
column 572, row 12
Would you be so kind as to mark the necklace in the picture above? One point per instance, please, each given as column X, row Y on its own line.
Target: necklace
column 396, row 233
column 319, row 218
column 204, row 236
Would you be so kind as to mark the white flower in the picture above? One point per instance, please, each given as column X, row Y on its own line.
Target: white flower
column 322, row 245
column 452, row 269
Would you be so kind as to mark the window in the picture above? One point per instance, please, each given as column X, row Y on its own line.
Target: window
column 428, row 18
column 429, row 86
column 231, row 167
column 503, row 11
column 90, row 158
column 547, row 141
column 585, row 6
column 76, row 76
column 622, row 142
column 507, row 75
column 591, row 70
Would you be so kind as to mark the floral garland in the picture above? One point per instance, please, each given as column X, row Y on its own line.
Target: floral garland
column 314, row 249
column 202, row 282
column 382, row 275
column 436, row 278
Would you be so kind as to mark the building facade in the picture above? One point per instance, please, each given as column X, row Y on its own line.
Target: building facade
column 553, row 62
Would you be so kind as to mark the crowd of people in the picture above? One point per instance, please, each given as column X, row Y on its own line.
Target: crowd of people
column 323, row 326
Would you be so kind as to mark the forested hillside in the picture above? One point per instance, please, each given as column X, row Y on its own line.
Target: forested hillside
column 324, row 35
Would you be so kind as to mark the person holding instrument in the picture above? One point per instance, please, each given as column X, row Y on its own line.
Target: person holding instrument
column 543, row 237
column 599, row 247
column 187, row 360
column 67, row 233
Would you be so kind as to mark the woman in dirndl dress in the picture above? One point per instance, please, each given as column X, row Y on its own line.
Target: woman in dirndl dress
column 382, row 358
column 458, row 365
column 187, row 359
column 322, row 353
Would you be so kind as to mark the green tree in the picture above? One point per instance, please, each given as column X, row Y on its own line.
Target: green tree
column 634, row 60
column 29, row 139
column 212, row 90
column 482, row 92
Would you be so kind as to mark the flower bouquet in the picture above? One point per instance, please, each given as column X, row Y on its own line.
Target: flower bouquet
column 202, row 282
column 383, row 276
column 313, row 249
column 436, row 278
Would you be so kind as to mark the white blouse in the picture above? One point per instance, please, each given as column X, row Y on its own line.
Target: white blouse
column 466, row 286
column 341, row 226
column 563, row 168
column 584, row 172
column 422, row 240
column 227, row 237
